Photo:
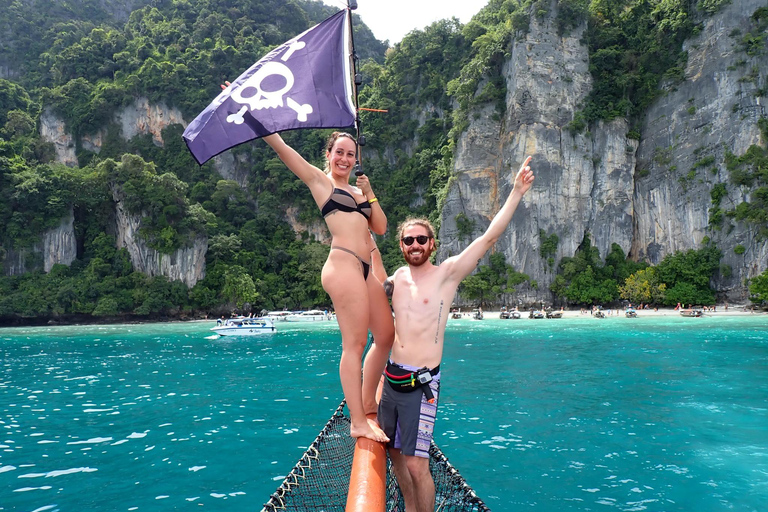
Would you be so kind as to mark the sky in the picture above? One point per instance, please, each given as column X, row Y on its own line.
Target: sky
column 393, row 19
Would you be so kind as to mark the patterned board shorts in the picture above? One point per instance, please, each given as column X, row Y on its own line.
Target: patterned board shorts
column 407, row 418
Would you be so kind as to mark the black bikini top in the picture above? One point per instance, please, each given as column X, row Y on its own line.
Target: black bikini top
column 342, row 201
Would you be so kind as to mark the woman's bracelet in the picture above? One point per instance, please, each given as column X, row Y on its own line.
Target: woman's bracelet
column 371, row 201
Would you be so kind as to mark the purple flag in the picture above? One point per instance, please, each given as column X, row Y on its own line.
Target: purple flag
column 303, row 83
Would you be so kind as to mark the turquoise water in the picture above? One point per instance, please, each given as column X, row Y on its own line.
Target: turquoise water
column 658, row 414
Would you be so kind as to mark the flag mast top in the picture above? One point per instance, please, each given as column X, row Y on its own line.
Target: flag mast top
column 358, row 80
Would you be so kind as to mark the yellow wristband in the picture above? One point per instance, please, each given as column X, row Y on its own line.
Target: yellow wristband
column 371, row 201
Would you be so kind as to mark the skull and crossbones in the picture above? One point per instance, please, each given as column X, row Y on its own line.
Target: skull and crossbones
column 263, row 99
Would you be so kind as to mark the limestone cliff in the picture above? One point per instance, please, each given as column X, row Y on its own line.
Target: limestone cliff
column 186, row 264
column 713, row 111
column 57, row 246
column 591, row 183
column 52, row 130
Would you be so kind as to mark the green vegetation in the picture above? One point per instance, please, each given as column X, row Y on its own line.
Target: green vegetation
column 758, row 287
column 680, row 277
column 491, row 282
column 585, row 279
column 84, row 60
column 643, row 287
column 750, row 171
column 634, row 46
column 548, row 248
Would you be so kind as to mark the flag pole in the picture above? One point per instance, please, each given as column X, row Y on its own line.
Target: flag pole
column 358, row 80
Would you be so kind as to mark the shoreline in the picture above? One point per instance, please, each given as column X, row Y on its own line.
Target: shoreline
column 735, row 311
column 641, row 313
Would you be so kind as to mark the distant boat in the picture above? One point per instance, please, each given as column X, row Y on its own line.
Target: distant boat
column 535, row 313
column 314, row 315
column 244, row 327
column 630, row 313
column 505, row 315
column 691, row 312
column 278, row 316
column 477, row 314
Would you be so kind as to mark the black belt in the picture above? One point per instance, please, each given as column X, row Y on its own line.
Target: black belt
column 406, row 381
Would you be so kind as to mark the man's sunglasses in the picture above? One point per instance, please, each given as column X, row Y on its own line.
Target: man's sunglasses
column 408, row 240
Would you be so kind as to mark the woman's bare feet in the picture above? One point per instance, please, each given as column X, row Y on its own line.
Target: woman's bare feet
column 370, row 429
column 371, row 407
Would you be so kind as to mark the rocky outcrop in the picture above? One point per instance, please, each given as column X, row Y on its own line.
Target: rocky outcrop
column 60, row 244
column 186, row 264
column 681, row 157
column 583, row 183
column 601, row 183
column 142, row 118
column 57, row 246
column 137, row 119
column 317, row 230
column 53, row 130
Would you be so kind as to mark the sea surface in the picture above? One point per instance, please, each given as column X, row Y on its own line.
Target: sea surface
column 657, row 414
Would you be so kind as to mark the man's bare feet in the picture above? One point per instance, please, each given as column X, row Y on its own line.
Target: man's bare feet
column 369, row 430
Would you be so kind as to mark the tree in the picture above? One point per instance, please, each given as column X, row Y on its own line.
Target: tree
column 239, row 287
column 758, row 287
column 584, row 279
column 643, row 287
column 475, row 287
column 687, row 275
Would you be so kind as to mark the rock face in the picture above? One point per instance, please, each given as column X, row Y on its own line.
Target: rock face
column 60, row 244
column 142, row 117
column 57, row 246
column 686, row 136
column 186, row 264
column 590, row 184
column 136, row 119
column 52, row 129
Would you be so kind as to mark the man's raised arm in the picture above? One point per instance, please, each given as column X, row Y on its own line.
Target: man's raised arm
column 463, row 264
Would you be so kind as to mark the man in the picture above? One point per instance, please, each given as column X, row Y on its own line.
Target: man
column 421, row 298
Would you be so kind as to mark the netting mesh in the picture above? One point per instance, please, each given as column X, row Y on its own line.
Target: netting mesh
column 320, row 479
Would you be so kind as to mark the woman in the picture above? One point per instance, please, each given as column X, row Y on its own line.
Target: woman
column 358, row 296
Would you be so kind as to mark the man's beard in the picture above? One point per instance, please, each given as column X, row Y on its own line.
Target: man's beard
column 420, row 259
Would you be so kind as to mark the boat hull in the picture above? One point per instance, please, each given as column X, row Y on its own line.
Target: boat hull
column 245, row 327
column 308, row 316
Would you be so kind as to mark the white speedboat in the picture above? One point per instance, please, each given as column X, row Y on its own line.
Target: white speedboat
column 245, row 327
column 277, row 316
column 314, row 315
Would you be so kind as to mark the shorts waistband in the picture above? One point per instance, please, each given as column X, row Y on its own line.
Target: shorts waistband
column 406, row 379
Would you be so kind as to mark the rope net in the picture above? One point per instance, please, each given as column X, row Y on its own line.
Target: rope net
column 320, row 479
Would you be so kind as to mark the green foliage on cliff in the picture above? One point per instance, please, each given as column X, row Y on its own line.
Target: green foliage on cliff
column 682, row 277
column 750, row 172
column 492, row 281
column 758, row 288
column 634, row 46
column 585, row 279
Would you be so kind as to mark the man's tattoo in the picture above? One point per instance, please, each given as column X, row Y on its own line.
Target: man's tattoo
column 439, row 316
column 389, row 287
